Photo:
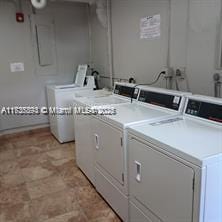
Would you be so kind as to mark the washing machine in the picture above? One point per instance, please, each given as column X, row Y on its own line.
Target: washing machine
column 60, row 101
column 82, row 122
column 61, row 97
column 110, row 137
column 175, row 166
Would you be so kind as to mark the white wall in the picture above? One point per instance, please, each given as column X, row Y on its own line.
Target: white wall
column 99, row 44
column 28, row 88
column 133, row 56
column 202, row 44
column 194, row 33
column 194, row 27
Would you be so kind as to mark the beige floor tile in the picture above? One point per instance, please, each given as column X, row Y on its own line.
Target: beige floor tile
column 16, row 213
column 95, row 209
column 48, row 138
column 7, row 166
column 24, row 140
column 93, row 205
column 45, row 186
column 14, row 195
column 53, row 205
column 62, row 153
column 32, row 160
column 37, row 172
column 73, row 216
column 6, row 151
column 76, row 180
column 3, row 140
column 70, row 173
column 35, row 165
column 87, row 194
column 64, row 164
column 10, row 174
column 65, row 167
column 111, row 217
column 35, row 149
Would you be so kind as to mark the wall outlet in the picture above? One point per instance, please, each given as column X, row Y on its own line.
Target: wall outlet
column 180, row 72
column 168, row 71
column 217, row 77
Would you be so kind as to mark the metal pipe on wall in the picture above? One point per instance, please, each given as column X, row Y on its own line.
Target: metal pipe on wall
column 217, row 85
column 169, row 81
column 109, row 38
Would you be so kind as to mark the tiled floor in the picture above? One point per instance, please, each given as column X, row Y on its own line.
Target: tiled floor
column 40, row 182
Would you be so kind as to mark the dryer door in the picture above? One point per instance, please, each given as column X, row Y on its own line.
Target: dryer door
column 109, row 153
column 163, row 185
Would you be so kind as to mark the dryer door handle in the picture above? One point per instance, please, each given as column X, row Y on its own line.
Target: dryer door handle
column 96, row 137
column 138, row 171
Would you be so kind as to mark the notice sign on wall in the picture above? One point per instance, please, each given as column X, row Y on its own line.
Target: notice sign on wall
column 17, row 67
column 150, row 27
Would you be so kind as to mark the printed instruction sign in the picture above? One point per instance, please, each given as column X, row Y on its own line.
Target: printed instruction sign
column 150, row 27
column 17, row 67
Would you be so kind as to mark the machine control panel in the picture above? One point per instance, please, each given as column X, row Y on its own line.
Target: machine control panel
column 205, row 110
column 160, row 99
column 126, row 91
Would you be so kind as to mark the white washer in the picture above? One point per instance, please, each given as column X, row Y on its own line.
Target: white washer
column 61, row 97
column 83, row 128
column 110, row 141
column 61, row 126
column 175, row 166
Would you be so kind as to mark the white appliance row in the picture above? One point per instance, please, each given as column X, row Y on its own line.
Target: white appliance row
column 175, row 166
column 101, row 141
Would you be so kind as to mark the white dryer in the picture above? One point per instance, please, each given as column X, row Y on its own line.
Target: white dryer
column 175, row 166
column 83, row 128
column 110, row 138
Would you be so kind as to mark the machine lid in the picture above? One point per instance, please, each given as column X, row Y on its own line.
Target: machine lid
column 81, row 75
column 107, row 100
column 184, row 137
column 100, row 101
column 93, row 93
column 69, row 86
column 132, row 113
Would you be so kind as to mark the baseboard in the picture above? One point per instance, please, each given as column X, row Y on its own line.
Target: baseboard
column 23, row 129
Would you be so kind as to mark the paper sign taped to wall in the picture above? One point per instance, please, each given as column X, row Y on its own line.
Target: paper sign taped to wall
column 150, row 27
column 17, row 67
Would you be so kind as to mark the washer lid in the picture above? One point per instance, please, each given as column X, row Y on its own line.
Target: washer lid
column 133, row 113
column 195, row 141
column 93, row 93
column 70, row 86
column 100, row 101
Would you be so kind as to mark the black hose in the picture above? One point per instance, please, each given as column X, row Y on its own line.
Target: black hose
column 147, row 84
column 95, row 74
